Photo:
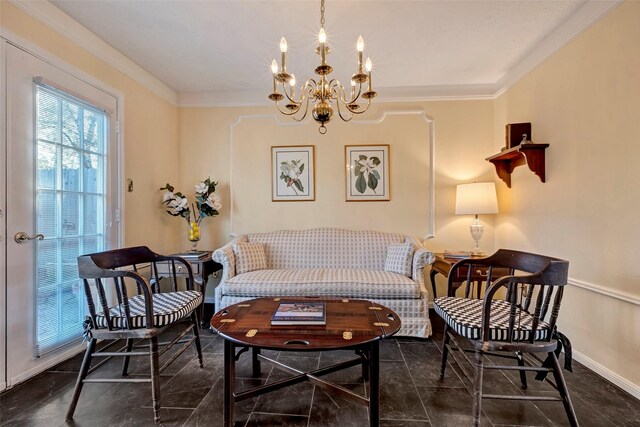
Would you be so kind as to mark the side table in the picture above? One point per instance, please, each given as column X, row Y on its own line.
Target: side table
column 202, row 268
column 443, row 265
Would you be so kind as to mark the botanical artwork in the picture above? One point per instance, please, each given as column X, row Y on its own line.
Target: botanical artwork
column 367, row 173
column 293, row 173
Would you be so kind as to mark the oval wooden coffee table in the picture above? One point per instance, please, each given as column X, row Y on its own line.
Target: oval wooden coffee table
column 353, row 324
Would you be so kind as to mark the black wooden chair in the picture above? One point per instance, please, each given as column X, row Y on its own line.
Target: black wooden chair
column 112, row 276
column 522, row 326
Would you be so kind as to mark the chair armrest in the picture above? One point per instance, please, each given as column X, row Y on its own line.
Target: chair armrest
column 421, row 259
column 227, row 258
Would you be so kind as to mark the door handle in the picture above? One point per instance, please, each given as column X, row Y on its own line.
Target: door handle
column 22, row 237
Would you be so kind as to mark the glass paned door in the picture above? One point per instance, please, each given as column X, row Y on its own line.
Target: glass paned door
column 62, row 184
column 70, row 209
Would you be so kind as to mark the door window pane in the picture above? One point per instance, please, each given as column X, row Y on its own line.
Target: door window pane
column 70, row 210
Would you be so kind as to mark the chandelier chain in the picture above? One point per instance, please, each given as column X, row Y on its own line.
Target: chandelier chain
column 322, row 13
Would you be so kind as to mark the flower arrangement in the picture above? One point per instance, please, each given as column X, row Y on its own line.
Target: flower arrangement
column 207, row 203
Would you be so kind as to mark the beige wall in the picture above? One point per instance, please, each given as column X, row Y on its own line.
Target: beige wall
column 463, row 137
column 150, row 132
column 585, row 102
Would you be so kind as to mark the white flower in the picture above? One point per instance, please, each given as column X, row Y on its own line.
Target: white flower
column 179, row 203
column 168, row 195
column 201, row 188
column 214, row 201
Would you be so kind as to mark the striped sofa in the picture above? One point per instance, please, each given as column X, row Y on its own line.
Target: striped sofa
column 381, row 267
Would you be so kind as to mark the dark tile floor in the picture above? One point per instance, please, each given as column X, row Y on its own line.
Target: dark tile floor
column 412, row 394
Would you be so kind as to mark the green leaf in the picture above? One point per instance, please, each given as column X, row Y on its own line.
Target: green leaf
column 375, row 161
column 373, row 182
column 376, row 174
column 362, row 157
column 361, row 184
column 298, row 184
column 357, row 168
column 301, row 168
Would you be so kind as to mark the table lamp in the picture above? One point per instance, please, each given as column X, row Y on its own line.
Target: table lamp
column 476, row 199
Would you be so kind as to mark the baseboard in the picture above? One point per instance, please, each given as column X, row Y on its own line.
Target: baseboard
column 46, row 365
column 623, row 383
column 3, row 386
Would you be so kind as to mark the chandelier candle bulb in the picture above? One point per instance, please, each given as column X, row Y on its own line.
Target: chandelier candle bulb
column 360, row 48
column 322, row 38
column 283, row 49
column 292, row 82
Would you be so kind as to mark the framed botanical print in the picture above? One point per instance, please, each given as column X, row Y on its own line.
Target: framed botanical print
column 367, row 172
column 293, row 173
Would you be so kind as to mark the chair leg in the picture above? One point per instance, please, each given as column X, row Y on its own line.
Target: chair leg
column 196, row 333
column 84, row 368
column 477, row 388
column 523, row 373
column 445, row 350
column 564, row 390
column 155, row 377
column 125, row 362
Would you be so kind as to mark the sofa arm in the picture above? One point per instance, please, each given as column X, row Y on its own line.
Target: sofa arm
column 421, row 259
column 227, row 258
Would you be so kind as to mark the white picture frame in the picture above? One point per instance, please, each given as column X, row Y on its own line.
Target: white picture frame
column 367, row 173
column 293, row 173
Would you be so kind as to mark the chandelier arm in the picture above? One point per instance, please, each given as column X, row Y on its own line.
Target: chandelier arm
column 306, row 110
column 289, row 113
column 363, row 111
column 284, row 89
column 344, row 118
column 336, row 83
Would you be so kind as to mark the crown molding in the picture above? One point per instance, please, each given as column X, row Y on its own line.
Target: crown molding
column 588, row 14
column 63, row 24
column 386, row 94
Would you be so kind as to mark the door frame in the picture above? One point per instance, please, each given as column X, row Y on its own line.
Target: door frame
column 8, row 37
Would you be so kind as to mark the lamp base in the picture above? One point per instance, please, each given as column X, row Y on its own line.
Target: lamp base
column 477, row 230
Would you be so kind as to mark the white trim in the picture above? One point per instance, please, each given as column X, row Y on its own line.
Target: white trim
column 45, row 365
column 603, row 371
column 3, row 216
column 606, row 291
column 386, row 94
column 63, row 24
column 286, row 121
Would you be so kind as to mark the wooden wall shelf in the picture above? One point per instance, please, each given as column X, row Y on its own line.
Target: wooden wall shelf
column 530, row 154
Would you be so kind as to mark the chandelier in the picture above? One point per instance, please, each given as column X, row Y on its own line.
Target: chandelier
column 323, row 93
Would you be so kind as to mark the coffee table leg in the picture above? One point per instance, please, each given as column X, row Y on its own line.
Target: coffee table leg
column 255, row 362
column 229, row 382
column 374, row 384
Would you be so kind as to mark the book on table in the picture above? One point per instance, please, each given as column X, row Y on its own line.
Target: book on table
column 292, row 313
column 457, row 254
column 193, row 254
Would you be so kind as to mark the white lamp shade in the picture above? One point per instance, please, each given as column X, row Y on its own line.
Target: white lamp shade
column 476, row 198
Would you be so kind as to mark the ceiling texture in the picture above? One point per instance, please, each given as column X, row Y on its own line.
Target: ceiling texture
column 220, row 51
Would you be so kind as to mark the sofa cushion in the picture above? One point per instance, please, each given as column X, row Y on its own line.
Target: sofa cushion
column 399, row 258
column 326, row 248
column 353, row 283
column 250, row 256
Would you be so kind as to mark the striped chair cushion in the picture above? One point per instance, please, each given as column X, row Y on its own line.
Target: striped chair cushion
column 464, row 315
column 167, row 308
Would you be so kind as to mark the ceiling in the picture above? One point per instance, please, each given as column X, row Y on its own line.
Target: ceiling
column 223, row 49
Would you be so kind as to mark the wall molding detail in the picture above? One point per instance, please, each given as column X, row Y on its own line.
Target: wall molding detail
column 609, row 375
column 280, row 120
column 606, row 291
column 68, row 27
